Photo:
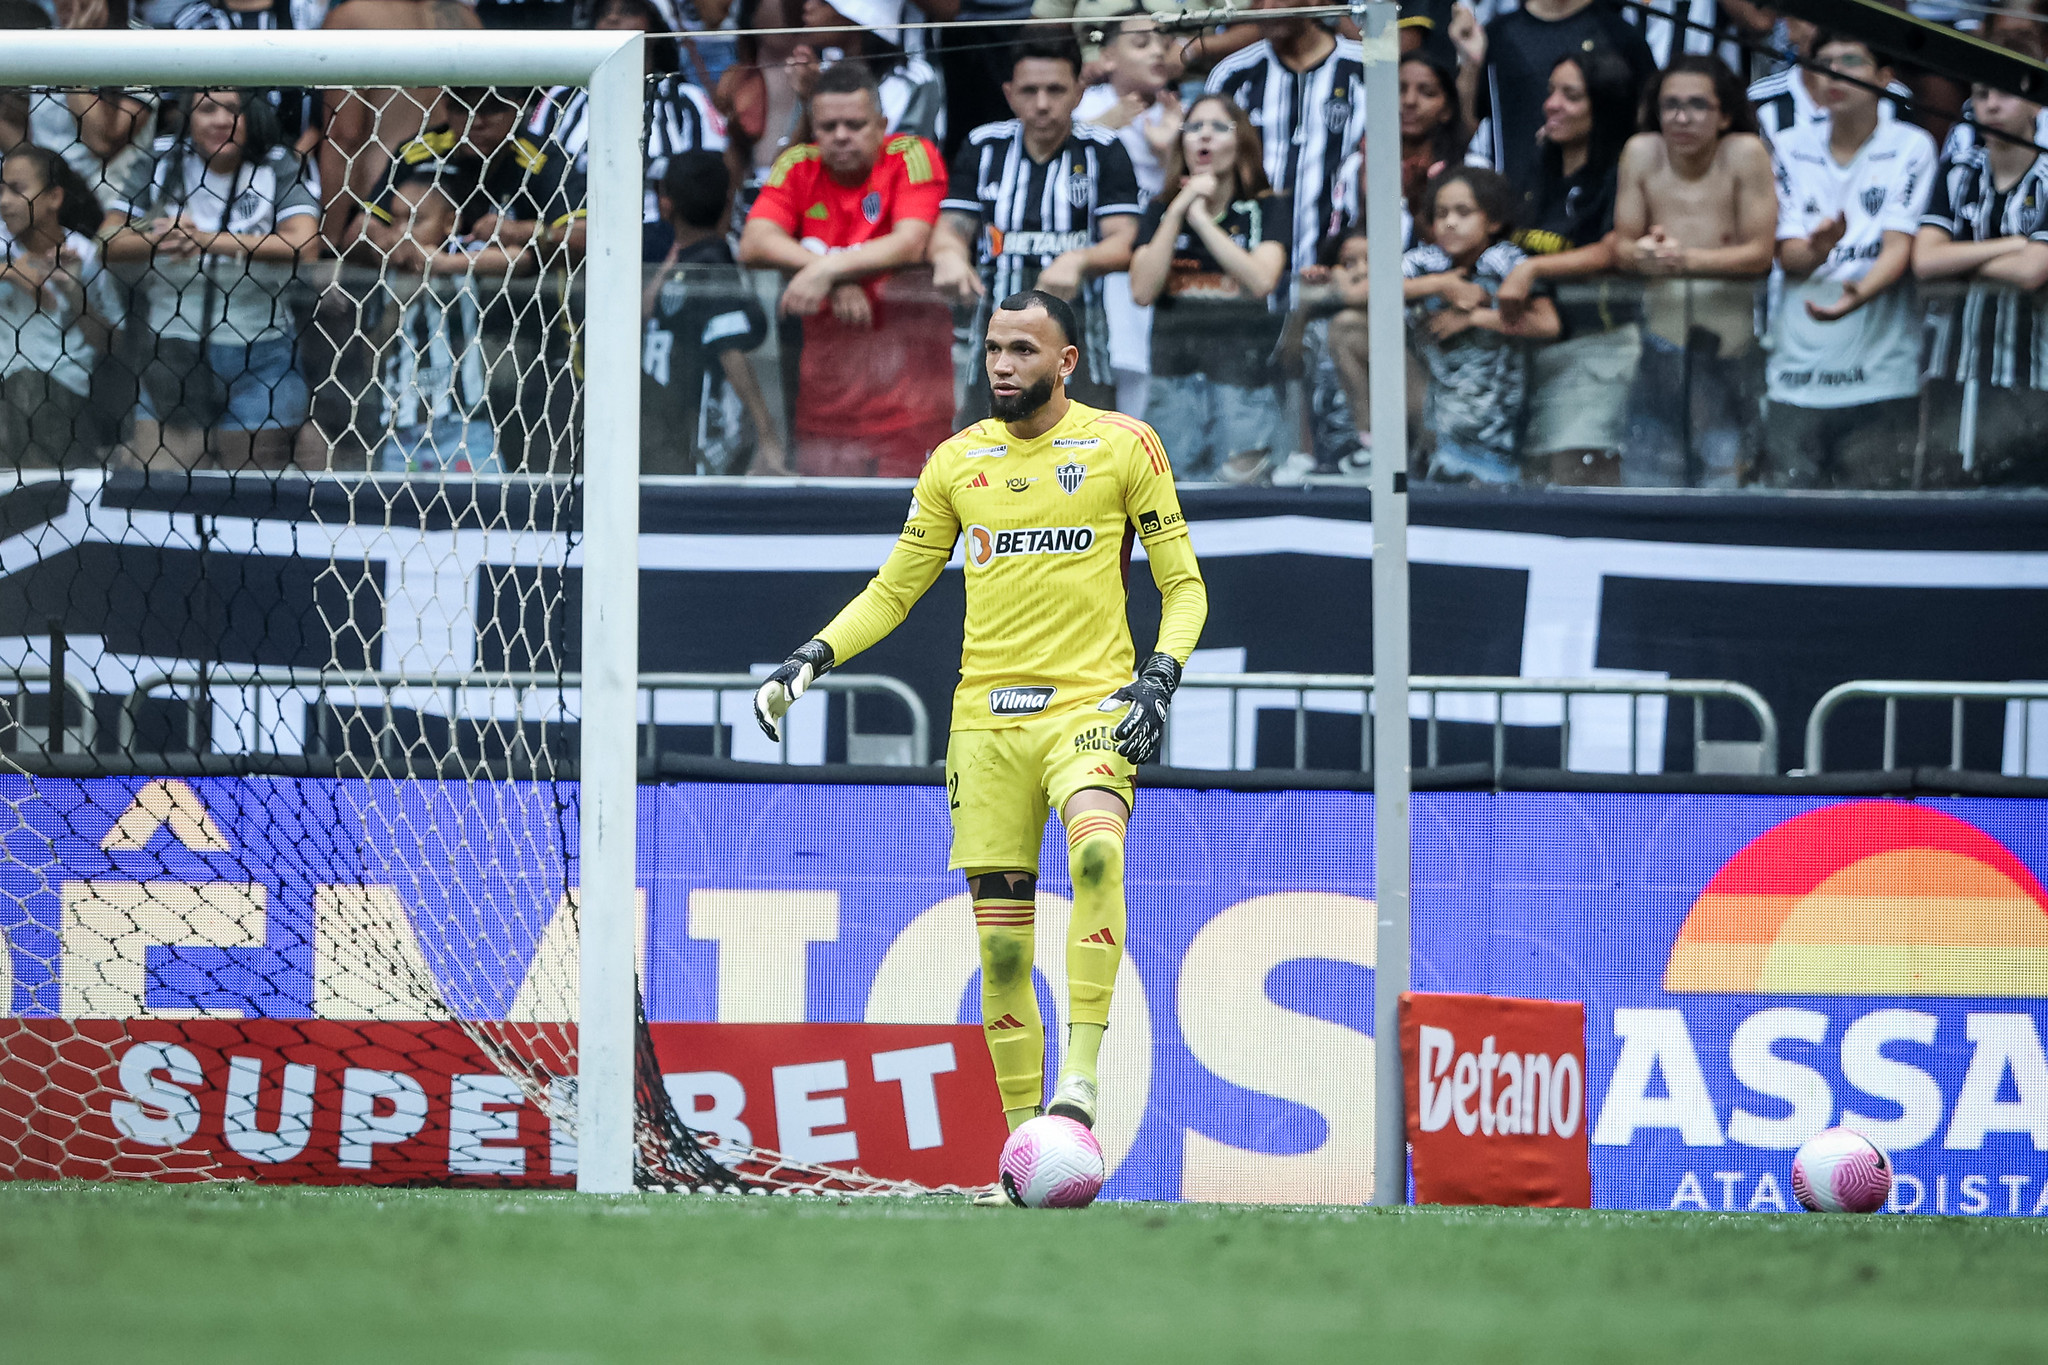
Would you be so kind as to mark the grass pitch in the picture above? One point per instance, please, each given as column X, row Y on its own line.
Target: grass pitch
column 225, row 1273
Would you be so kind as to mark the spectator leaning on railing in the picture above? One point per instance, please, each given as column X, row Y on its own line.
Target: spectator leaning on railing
column 1039, row 202
column 57, row 308
column 1477, row 363
column 1845, row 360
column 224, row 229
column 1338, row 349
column 1987, row 223
column 435, row 414
column 1695, row 212
column 841, row 217
column 702, row 319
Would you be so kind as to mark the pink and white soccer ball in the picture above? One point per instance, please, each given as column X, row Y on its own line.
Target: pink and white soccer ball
column 1052, row 1162
column 1839, row 1171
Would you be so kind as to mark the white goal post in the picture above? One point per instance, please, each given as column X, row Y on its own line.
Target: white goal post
column 610, row 66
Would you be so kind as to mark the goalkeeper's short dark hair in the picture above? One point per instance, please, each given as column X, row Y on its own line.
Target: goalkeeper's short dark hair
column 1056, row 308
column 696, row 185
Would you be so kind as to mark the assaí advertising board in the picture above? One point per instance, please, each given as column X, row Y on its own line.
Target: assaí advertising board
column 1753, row 969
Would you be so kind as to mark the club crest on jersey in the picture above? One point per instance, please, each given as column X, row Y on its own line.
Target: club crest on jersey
column 1070, row 476
column 1336, row 113
column 1079, row 187
column 1019, row 701
column 985, row 453
column 1873, row 199
column 871, row 207
column 985, row 546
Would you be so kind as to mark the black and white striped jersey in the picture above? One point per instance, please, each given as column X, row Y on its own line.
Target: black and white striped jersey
column 433, row 366
column 679, row 119
column 297, row 110
column 1309, row 121
column 1034, row 211
column 1992, row 335
column 202, row 15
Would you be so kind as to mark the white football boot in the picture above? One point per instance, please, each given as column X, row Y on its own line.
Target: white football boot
column 1075, row 1099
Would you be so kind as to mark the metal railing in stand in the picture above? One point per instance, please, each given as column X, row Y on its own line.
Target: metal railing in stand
column 1736, row 756
column 85, row 736
column 387, row 683
column 1892, row 693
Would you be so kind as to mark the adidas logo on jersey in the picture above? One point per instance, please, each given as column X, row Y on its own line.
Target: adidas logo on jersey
column 978, row 481
column 1019, row 701
column 1101, row 938
column 1007, row 1022
column 1103, row 769
column 985, row 546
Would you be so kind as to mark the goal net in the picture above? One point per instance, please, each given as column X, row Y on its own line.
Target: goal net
column 318, row 626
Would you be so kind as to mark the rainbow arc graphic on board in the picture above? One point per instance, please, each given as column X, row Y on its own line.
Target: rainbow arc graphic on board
column 1867, row 898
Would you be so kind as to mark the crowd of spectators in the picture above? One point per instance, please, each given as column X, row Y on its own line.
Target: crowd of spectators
column 1649, row 244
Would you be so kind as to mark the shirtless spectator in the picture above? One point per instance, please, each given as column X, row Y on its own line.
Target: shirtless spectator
column 365, row 127
column 1845, row 360
column 1696, row 213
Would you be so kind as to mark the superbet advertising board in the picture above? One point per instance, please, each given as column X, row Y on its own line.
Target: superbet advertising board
column 1752, row 969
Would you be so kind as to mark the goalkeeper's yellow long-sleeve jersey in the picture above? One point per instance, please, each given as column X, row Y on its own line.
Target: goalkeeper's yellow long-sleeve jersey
column 1049, row 525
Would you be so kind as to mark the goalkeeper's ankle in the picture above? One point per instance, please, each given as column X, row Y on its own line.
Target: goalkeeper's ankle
column 1021, row 1115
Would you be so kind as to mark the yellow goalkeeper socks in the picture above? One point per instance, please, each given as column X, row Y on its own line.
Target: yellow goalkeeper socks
column 1009, row 1004
column 1095, row 942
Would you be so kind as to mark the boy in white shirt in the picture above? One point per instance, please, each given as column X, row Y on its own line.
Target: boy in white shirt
column 1844, row 376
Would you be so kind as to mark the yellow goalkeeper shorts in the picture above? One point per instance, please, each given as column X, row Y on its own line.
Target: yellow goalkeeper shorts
column 1000, row 783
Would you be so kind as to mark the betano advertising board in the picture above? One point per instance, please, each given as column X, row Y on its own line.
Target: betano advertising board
column 1753, row 968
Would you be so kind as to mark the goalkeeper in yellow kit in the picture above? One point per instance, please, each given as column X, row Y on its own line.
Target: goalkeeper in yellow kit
column 1049, row 495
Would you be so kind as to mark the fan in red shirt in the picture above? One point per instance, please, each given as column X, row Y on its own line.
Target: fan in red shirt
column 875, row 392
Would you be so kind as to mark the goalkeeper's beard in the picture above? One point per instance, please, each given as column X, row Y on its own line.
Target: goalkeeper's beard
column 1021, row 406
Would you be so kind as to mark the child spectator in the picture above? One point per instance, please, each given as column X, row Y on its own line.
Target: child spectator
column 1845, row 367
column 231, row 216
column 57, row 308
column 1987, row 222
column 1337, row 349
column 1695, row 211
column 1211, row 258
column 436, row 417
column 1137, row 102
column 1478, row 370
column 702, row 319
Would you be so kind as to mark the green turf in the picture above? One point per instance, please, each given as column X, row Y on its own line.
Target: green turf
column 226, row 1273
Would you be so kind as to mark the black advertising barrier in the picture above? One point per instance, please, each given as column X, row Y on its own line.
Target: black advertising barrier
column 1790, row 594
